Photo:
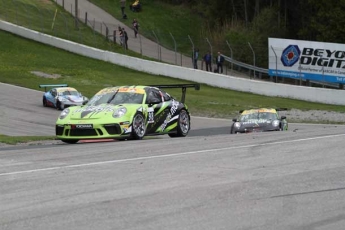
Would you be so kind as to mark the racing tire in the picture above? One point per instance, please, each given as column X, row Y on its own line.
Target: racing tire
column 232, row 131
column 183, row 125
column 58, row 105
column 138, row 126
column 45, row 102
column 73, row 141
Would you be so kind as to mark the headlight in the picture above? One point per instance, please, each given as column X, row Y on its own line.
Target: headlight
column 63, row 99
column 275, row 123
column 237, row 125
column 64, row 113
column 119, row 112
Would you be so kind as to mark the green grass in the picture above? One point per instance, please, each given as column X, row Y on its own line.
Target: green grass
column 23, row 139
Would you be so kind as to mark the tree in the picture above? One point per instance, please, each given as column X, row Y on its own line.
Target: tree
column 324, row 22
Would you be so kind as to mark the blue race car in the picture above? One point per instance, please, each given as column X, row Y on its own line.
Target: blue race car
column 61, row 96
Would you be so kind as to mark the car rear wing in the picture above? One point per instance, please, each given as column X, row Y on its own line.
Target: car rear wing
column 52, row 86
column 182, row 86
column 277, row 109
column 282, row 109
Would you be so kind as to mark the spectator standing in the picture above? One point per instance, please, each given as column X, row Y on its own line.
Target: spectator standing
column 126, row 38
column 195, row 58
column 135, row 27
column 122, row 40
column 208, row 61
column 123, row 6
column 219, row 61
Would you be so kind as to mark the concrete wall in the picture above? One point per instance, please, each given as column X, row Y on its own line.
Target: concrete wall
column 328, row 96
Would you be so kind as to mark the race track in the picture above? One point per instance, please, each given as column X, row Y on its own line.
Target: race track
column 209, row 180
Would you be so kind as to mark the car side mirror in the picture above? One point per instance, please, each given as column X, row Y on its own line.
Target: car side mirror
column 234, row 120
column 85, row 101
column 283, row 117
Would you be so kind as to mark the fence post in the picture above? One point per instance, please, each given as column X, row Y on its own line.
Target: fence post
column 158, row 46
column 232, row 65
column 300, row 74
column 40, row 17
column 211, row 52
column 253, row 57
column 275, row 54
column 181, row 58
column 76, row 14
column 114, row 36
column 141, row 45
column 174, row 48
column 16, row 13
column 85, row 18
column 191, row 41
column 66, row 25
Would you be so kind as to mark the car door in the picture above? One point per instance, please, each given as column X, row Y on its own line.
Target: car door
column 51, row 97
column 158, row 111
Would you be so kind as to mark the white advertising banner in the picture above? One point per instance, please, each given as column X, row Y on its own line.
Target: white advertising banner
column 306, row 60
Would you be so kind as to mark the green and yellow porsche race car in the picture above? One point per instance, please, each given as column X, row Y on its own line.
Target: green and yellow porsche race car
column 126, row 112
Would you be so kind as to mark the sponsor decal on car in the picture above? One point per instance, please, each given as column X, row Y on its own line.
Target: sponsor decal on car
column 82, row 126
column 251, row 111
column 97, row 109
column 150, row 111
column 255, row 121
column 132, row 90
column 173, row 110
column 64, row 89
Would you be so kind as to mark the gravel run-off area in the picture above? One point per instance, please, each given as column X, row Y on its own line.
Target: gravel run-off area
column 313, row 116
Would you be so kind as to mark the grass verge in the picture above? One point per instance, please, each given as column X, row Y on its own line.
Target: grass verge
column 11, row 140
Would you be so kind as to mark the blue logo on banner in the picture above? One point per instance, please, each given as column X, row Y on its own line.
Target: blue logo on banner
column 290, row 55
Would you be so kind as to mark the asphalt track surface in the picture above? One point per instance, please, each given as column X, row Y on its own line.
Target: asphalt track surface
column 281, row 180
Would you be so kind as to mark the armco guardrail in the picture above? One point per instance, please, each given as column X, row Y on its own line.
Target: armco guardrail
column 328, row 96
column 245, row 65
column 265, row 71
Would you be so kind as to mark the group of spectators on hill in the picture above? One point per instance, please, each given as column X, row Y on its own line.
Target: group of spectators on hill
column 207, row 59
column 135, row 7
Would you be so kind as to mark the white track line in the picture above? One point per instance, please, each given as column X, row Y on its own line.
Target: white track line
column 164, row 156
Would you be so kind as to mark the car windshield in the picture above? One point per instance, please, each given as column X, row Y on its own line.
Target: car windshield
column 117, row 98
column 68, row 92
column 258, row 116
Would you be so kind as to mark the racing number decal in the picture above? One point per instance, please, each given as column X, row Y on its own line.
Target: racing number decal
column 150, row 111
